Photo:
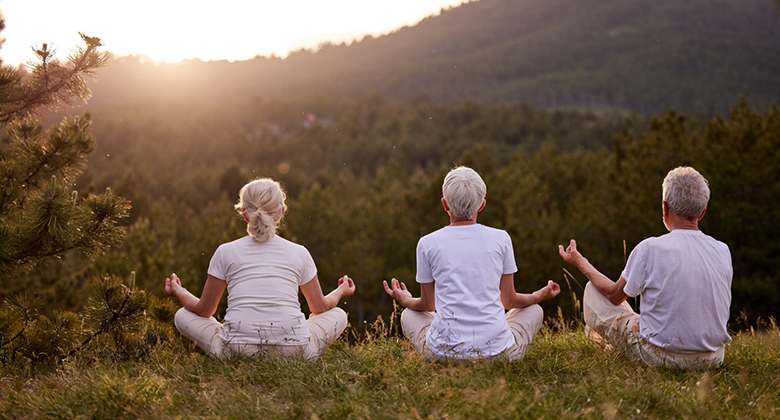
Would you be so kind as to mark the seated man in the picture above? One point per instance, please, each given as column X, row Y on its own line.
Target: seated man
column 684, row 278
column 466, row 274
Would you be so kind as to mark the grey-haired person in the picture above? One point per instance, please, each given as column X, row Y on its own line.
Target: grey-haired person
column 684, row 279
column 466, row 275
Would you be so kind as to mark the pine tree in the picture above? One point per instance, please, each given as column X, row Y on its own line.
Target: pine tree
column 40, row 217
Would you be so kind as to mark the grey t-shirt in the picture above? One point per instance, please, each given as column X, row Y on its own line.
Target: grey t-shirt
column 684, row 278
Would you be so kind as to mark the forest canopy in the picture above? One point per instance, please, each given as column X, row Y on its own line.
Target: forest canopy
column 364, row 182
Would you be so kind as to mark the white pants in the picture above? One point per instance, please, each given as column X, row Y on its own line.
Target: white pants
column 524, row 324
column 324, row 329
column 619, row 325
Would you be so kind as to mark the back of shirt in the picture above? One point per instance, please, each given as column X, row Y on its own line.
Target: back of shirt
column 262, row 284
column 684, row 278
column 466, row 263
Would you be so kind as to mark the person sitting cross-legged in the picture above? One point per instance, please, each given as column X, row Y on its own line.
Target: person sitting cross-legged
column 466, row 274
column 262, row 273
column 684, row 278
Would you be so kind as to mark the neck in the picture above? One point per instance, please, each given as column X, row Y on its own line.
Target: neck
column 462, row 221
column 673, row 223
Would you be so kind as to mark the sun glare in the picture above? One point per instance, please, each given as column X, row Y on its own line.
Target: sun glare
column 173, row 30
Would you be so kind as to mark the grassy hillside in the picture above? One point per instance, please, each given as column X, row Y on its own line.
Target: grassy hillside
column 565, row 375
column 645, row 55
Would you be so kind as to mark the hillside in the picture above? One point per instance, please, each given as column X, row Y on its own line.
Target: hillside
column 564, row 376
column 642, row 55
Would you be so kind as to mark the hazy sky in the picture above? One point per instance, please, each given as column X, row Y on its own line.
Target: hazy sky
column 171, row 30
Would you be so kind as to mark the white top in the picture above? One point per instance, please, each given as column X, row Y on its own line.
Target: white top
column 466, row 263
column 262, row 283
column 684, row 278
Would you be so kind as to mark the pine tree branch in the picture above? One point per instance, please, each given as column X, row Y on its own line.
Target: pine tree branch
column 104, row 327
column 27, row 320
column 43, row 96
column 14, row 337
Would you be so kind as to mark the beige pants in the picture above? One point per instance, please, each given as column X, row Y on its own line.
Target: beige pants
column 324, row 329
column 524, row 324
column 619, row 325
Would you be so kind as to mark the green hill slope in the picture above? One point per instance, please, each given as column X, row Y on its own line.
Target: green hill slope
column 643, row 55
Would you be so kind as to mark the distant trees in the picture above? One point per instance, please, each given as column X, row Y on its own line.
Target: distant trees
column 365, row 177
column 643, row 56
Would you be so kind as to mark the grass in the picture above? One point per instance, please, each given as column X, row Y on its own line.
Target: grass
column 565, row 375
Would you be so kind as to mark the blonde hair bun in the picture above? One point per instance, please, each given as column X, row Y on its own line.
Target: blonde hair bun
column 262, row 201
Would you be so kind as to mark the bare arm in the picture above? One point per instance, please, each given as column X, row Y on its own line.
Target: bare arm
column 425, row 303
column 612, row 290
column 318, row 302
column 204, row 306
column 511, row 299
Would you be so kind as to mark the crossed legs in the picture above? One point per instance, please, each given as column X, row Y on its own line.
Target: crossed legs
column 619, row 325
column 324, row 329
column 524, row 324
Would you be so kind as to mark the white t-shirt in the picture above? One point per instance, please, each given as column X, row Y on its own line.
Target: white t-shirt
column 684, row 278
column 262, row 283
column 466, row 263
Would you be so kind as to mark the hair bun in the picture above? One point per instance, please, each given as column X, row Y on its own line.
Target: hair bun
column 262, row 201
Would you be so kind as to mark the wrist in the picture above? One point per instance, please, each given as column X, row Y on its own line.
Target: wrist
column 582, row 264
column 578, row 262
column 536, row 297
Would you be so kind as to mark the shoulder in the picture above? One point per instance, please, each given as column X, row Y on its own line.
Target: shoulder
column 297, row 252
column 653, row 242
column 645, row 248
column 493, row 231
column 235, row 245
column 433, row 236
column 720, row 246
column 287, row 245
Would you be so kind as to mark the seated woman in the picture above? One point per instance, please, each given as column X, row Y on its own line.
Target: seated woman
column 262, row 273
column 466, row 275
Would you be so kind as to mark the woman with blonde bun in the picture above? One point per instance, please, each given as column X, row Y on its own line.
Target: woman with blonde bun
column 262, row 273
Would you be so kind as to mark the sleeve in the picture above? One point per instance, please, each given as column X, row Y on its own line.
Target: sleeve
column 424, row 270
column 218, row 266
column 510, row 267
column 635, row 272
column 306, row 265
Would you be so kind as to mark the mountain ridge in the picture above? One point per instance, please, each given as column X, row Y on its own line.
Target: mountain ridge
column 640, row 55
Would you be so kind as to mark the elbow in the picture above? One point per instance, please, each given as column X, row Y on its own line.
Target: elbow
column 201, row 309
column 512, row 300
column 423, row 306
column 506, row 303
column 205, row 313
column 319, row 308
column 617, row 298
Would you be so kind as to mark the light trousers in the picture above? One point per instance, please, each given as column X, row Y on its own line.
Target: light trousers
column 619, row 325
column 324, row 329
column 524, row 324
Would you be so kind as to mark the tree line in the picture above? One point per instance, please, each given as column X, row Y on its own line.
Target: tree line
column 645, row 56
column 364, row 182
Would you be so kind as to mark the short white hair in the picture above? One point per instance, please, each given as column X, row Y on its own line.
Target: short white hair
column 464, row 190
column 686, row 192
